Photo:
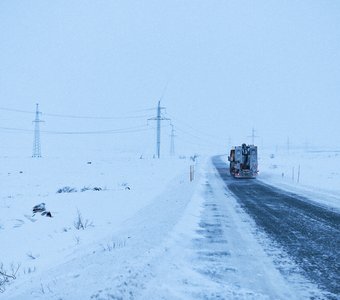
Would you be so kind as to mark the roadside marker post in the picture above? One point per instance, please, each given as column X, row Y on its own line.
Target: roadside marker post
column 192, row 172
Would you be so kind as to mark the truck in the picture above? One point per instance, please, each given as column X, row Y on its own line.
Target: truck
column 243, row 161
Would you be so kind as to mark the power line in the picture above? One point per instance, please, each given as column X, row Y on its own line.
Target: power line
column 142, row 110
column 202, row 139
column 109, row 131
column 205, row 145
column 16, row 129
column 95, row 117
column 17, row 110
column 79, row 116
column 207, row 135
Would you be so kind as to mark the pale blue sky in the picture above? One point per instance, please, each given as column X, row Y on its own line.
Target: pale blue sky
column 229, row 66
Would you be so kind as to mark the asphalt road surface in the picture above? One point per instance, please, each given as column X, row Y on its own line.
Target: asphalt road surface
column 309, row 233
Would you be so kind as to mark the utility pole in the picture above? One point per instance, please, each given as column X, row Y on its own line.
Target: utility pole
column 36, row 143
column 159, row 118
column 172, row 143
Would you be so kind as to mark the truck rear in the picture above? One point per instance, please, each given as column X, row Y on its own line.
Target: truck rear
column 243, row 161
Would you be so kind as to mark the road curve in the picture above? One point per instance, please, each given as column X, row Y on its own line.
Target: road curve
column 309, row 233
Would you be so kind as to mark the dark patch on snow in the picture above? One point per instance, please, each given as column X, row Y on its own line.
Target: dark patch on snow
column 66, row 189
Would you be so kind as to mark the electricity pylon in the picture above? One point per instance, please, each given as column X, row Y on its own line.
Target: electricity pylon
column 158, row 118
column 36, row 142
column 172, row 142
column 253, row 136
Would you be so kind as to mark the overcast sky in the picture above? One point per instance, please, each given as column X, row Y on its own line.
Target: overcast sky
column 227, row 66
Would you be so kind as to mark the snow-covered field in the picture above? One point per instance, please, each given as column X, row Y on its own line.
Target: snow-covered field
column 124, row 185
column 319, row 173
column 145, row 234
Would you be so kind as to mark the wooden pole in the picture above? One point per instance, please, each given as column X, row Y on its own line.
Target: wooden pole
column 192, row 173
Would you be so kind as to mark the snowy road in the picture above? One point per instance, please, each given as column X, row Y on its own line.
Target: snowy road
column 307, row 232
